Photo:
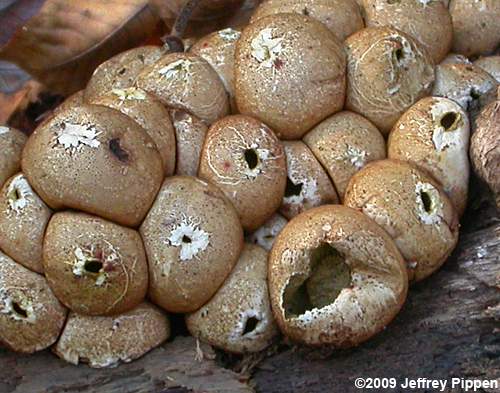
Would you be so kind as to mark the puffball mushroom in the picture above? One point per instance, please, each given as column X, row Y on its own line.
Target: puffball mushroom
column 342, row 17
column 150, row 114
column 344, row 143
column 266, row 234
column 245, row 159
column 387, row 72
column 307, row 183
column 23, row 219
column 190, row 133
column 12, row 142
column 108, row 341
column 426, row 20
column 94, row 267
column 490, row 64
column 94, row 159
column 434, row 135
column 121, row 70
column 412, row 208
column 188, row 82
column 31, row 317
column 455, row 58
column 475, row 26
column 281, row 55
column 335, row 277
column 238, row 318
column 193, row 238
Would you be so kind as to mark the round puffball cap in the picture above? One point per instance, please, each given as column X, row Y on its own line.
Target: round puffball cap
column 335, row 277
column 245, row 159
column 341, row 17
column 94, row 159
column 188, row 82
column 387, row 72
column 108, row 341
column 12, row 142
column 23, row 219
column 434, row 135
column 344, row 143
column 412, row 208
column 455, row 58
column 31, row 317
column 193, row 238
column 490, row 64
column 238, row 318
column 280, row 56
column 266, row 234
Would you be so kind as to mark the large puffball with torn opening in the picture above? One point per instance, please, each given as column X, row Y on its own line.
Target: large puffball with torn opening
column 387, row 72
column 23, row 219
column 289, row 73
column 188, row 82
column 108, row 341
column 412, row 208
column 335, row 277
column 490, row 64
column 245, row 159
column 475, row 26
column 342, row 17
column 193, row 238
column 31, row 317
column 12, row 142
column 94, row 159
column 427, row 21
column 238, row 319
column 434, row 135
column 265, row 235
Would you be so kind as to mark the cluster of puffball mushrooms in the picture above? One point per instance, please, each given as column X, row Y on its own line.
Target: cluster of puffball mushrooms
column 292, row 175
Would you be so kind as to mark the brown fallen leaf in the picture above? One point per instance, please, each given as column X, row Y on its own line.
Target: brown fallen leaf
column 66, row 40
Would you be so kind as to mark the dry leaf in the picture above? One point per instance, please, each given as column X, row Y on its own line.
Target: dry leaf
column 14, row 14
column 66, row 40
column 12, row 78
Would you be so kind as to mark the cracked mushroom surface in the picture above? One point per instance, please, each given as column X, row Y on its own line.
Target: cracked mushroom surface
column 344, row 143
column 245, row 159
column 266, row 234
column 188, row 82
column 342, row 17
column 307, row 183
column 335, row 277
column 12, row 142
column 434, row 135
column 94, row 159
column 193, row 238
column 412, row 208
column 23, row 219
column 387, row 72
column 108, row 341
column 94, row 267
column 31, row 317
column 289, row 73
column 490, row 64
column 238, row 319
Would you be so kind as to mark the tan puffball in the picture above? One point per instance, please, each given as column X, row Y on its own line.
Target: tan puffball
column 387, row 72
column 266, row 234
column 12, row 142
column 23, row 219
column 94, row 267
column 490, row 64
column 238, row 319
column 188, row 82
column 97, row 160
column 335, row 278
column 150, row 114
column 342, row 17
column 307, row 183
column 454, row 58
column 434, row 135
column 412, row 208
column 108, row 341
column 289, row 73
column 190, row 133
column 426, row 20
column 344, row 144
column 75, row 99
column 245, row 159
column 31, row 317
column 218, row 50
column 193, row 238
column 475, row 26
column 120, row 71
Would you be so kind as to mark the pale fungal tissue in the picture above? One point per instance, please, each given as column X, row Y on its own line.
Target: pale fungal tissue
column 4, row 130
column 266, row 49
column 7, row 307
column 84, row 255
column 180, row 70
column 74, row 136
column 356, row 157
column 190, row 238
column 132, row 93
column 229, row 34
column 429, row 204
column 308, row 193
column 18, row 193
